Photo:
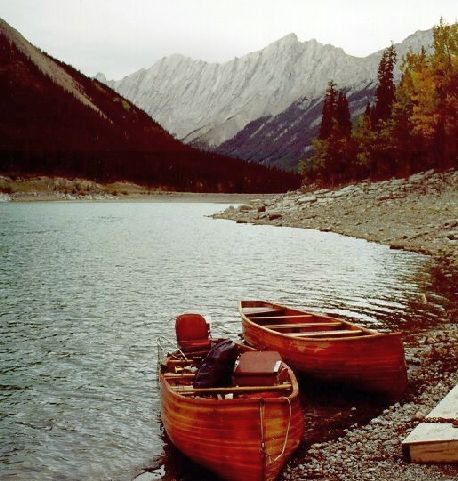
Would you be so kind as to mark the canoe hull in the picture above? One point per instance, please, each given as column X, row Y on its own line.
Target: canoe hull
column 225, row 436
column 374, row 362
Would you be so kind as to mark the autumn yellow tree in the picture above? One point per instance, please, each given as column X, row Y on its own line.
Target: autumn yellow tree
column 431, row 85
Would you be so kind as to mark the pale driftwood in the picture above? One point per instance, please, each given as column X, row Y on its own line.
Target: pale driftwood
column 435, row 442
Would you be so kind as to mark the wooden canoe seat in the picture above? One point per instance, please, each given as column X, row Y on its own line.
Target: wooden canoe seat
column 303, row 324
column 180, row 362
column 171, row 375
column 297, row 317
column 193, row 332
column 233, row 389
column 250, row 311
column 341, row 333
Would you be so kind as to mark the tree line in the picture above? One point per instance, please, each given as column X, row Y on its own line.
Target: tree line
column 412, row 126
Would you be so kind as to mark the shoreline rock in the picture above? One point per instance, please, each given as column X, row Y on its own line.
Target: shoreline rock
column 418, row 214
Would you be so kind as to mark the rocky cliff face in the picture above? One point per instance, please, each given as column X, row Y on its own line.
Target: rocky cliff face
column 208, row 104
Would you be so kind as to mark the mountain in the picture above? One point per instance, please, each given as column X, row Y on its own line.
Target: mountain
column 57, row 121
column 282, row 140
column 221, row 106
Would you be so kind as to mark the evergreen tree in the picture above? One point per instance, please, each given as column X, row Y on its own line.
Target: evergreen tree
column 343, row 118
column 328, row 112
column 410, row 128
column 385, row 92
column 368, row 116
column 334, row 148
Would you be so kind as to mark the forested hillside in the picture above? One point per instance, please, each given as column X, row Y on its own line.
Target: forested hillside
column 411, row 127
column 56, row 121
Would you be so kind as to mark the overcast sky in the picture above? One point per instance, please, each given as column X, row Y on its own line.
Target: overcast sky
column 118, row 37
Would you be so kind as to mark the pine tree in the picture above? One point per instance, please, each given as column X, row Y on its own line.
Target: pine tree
column 368, row 116
column 328, row 113
column 385, row 93
column 343, row 118
column 334, row 147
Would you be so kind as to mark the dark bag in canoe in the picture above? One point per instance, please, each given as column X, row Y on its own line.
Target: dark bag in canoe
column 216, row 369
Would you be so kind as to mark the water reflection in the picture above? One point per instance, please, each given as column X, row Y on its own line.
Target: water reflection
column 87, row 288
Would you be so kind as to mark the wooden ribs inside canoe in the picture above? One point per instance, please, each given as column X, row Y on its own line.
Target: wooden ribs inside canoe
column 326, row 347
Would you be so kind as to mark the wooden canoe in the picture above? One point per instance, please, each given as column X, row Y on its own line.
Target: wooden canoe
column 240, row 433
column 327, row 348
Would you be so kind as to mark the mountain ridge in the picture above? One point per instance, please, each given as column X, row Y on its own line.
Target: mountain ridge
column 207, row 104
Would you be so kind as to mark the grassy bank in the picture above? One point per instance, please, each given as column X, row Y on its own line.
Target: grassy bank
column 43, row 188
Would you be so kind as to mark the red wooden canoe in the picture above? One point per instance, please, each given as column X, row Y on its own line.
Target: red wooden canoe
column 241, row 433
column 327, row 348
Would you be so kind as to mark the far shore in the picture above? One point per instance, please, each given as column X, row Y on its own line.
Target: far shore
column 59, row 189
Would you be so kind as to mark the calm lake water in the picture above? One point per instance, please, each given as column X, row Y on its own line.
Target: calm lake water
column 86, row 289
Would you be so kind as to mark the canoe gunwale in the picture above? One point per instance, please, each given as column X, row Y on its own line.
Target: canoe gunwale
column 371, row 362
column 368, row 333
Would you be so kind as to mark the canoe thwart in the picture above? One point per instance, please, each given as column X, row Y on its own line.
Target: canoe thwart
column 249, row 311
column 209, row 390
column 302, row 324
column 301, row 316
column 341, row 333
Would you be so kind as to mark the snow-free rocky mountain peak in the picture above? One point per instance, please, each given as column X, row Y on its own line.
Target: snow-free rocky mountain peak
column 209, row 103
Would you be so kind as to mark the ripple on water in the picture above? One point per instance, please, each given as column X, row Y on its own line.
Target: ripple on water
column 87, row 288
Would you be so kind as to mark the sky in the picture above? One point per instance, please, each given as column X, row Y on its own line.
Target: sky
column 118, row 37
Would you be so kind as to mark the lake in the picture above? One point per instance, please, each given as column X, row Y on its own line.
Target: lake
column 87, row 288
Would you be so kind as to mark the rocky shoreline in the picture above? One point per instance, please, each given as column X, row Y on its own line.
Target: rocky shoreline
column 372, row 451
column 417, row 214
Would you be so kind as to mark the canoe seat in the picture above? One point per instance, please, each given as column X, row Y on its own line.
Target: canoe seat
column 250, row 311
column 301, row 316
column 234, row 389
column 193, row 332
column 303, row 324
column 341, row 333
